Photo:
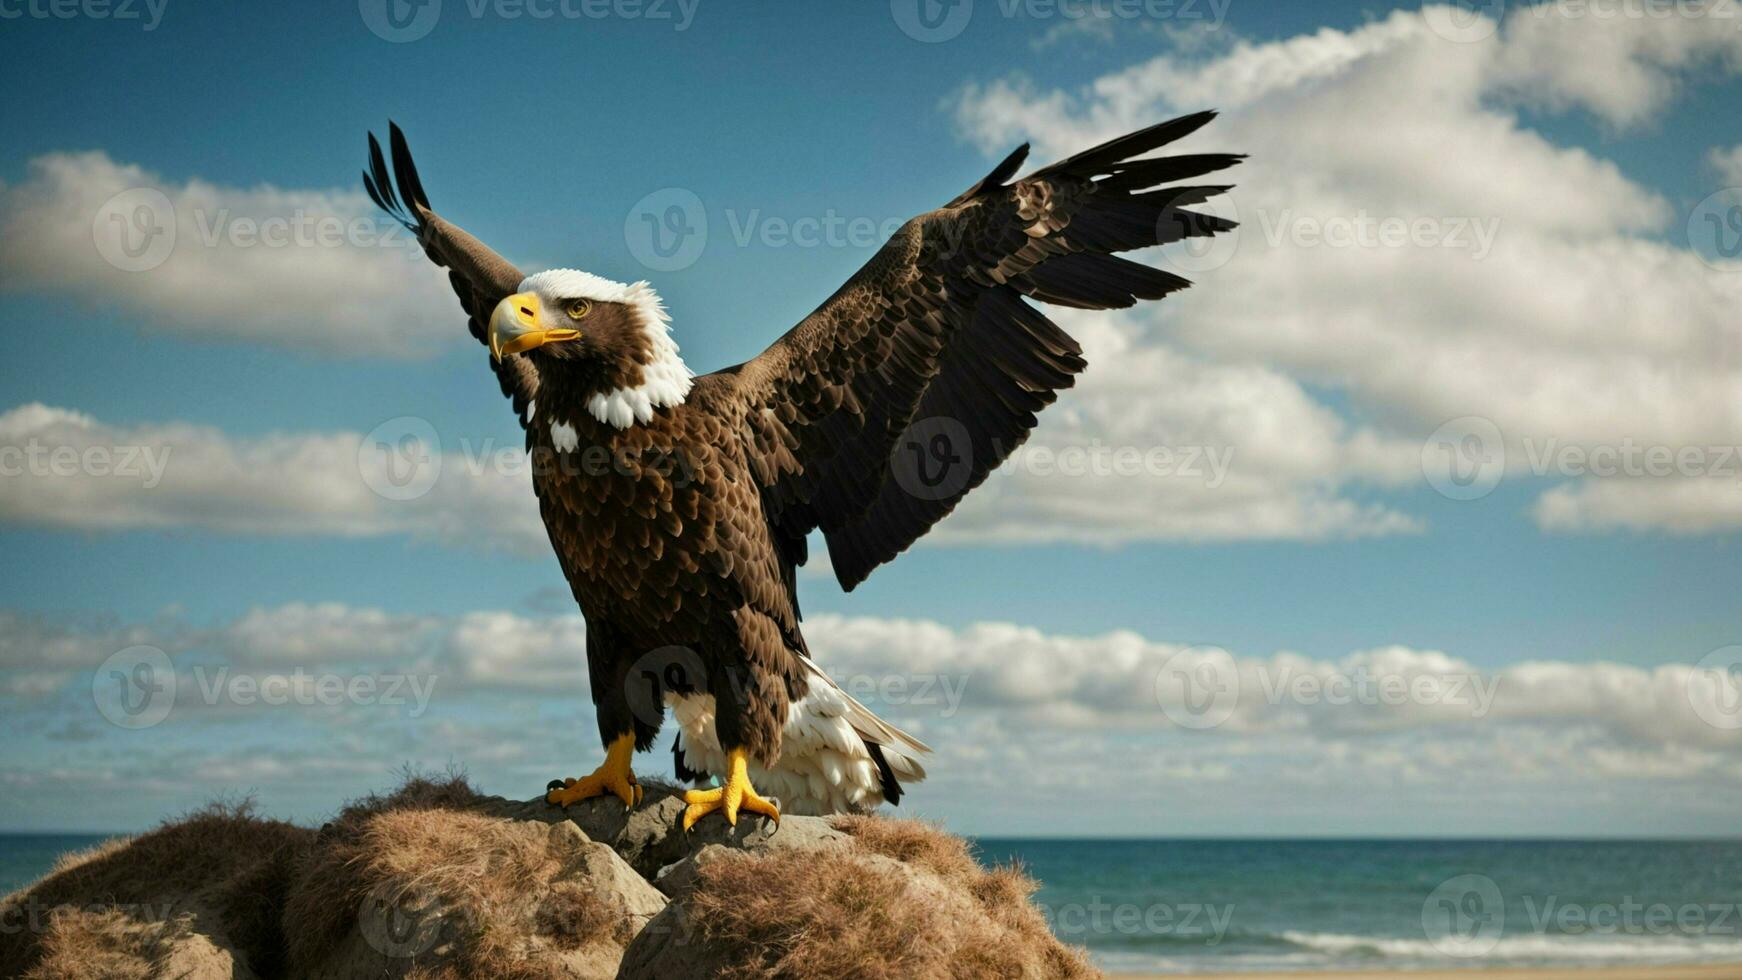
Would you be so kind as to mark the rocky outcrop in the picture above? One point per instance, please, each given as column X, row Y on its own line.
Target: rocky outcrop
column 436, row 881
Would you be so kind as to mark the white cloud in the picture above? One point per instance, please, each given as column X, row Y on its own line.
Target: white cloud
column 1577, row 320
column 309, row 633
column 313, row 270
column 1122, row 680
column 1623, row 61
column 38, row 656
column 64, row 469
column 1727, row 163
column 1098, row 30
column 1157, row 444
column 1011, row 711
column 41, row 655
column 1685, row 506
column 1094, row 720
column 502, row 649
column 930, row 675
column 1154, row 445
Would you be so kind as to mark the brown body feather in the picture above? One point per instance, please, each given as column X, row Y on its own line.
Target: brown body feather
column 660, row 532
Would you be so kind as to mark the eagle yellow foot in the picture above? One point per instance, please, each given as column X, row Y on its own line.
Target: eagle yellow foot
column 613, row 777
column 736, row 795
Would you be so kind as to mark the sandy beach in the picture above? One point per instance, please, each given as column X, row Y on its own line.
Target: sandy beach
column 1707, row 971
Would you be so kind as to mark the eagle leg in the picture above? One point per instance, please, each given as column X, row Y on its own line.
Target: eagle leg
column 736, row 795
column 612, row 777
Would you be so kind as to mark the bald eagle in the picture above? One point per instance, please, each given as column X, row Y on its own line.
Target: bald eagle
column 679, row 505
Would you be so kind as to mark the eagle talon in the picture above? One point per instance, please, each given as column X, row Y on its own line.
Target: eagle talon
column 613, row 777
column 729, row 799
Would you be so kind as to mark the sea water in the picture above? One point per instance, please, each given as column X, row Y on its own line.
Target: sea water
column 1237, row 905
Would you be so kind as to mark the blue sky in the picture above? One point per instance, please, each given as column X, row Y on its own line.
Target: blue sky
column 1596, row 320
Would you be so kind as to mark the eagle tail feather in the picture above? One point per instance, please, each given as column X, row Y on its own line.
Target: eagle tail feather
column 895, row 752
column 683, row 772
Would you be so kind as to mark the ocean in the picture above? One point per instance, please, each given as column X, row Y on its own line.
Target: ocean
column 1236, row 905
column 1188, row 906
column 27, row 857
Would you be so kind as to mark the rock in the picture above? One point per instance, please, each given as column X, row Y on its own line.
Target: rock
column 600, row 868
column 679, row 879
column 193, row 955
column 437, row 882
column 650, row 838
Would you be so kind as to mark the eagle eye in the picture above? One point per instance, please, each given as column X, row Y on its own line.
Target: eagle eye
column 579, row 308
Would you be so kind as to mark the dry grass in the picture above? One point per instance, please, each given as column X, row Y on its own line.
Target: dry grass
column 183, row 856
column 912, row 842
column 80, row 943
column 325, row 890
column 101, row 906
column 571, row 916
column 843, row 914
column 805, row 914
column 491, row 878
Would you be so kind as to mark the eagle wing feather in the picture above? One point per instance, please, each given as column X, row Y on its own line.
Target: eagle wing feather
column 478, row 276
column 936, row 327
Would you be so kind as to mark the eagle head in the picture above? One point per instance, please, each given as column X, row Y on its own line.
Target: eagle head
column 609, row 338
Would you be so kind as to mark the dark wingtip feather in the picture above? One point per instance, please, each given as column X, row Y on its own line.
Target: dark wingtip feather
column 374, row 195
column 404, row 171
column 1134, row 175
column 1096, row 159
column 849, row 579
column 383, row 184
column 1007, row 168
column 994, row 180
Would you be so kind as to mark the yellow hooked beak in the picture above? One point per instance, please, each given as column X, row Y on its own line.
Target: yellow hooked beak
column 517, row 324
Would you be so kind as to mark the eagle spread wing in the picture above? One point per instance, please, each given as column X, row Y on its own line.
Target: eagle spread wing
column 479, row 277
column 933, row 340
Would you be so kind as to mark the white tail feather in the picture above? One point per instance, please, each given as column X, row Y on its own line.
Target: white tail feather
column 824, row 764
